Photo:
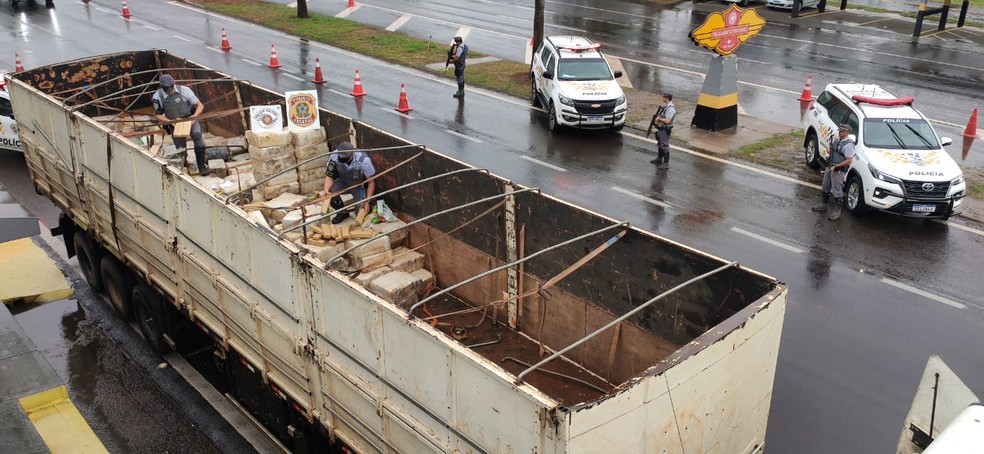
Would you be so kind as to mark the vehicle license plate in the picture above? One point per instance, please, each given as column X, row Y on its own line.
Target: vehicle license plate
column 924, row 208
column 596, row 119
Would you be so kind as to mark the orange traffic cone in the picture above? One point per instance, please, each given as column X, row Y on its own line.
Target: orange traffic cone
column 226, row 47
column 807, row 95
column 126, row 11
column 318, row 77
column 274, row 62
column 18, row 66
column 351, row 4
column 971, row 130
column 404, row 106
column 357, row 89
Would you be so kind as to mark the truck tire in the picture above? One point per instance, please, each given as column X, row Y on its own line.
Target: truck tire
column 854, row 195
column 811, row 151
column 552, row 122
column 89, row 257
column 148, row 310
column 119, row 285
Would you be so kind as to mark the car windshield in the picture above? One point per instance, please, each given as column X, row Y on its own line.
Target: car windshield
column 899, row 133
column 584, row 69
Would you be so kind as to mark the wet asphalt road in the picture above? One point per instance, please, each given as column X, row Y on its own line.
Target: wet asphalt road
column 857, row 335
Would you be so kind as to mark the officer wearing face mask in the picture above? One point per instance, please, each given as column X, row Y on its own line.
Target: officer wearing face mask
column 173, row 102
column 348, row 168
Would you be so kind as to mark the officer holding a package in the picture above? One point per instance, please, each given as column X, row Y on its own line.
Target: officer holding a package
column 841, row 156
column 346, row 168
column 173, row 102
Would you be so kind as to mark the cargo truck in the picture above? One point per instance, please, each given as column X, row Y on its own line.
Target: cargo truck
column 537, row 327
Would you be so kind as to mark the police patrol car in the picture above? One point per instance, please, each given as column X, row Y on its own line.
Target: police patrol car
column 899, row 165
column 572, row 81
column 9, row 140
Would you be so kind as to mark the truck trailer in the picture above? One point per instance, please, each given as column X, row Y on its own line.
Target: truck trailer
column 526, row 324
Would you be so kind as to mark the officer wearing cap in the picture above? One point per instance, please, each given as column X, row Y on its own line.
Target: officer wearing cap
column 172, row 102
column 841, row 156
column 348, row 167
column 663, row 121
column 460, row 53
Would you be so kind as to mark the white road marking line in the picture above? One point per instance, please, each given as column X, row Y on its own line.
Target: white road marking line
column 463, row 136
column 396, row 112
column 463, row 32
column 151, row 27
column 642, row 197
column 289, row 75
column 182, row 38
column 616, row 65
column 215, row 49
column 251, row 62
column 348, row 11
column 544, row 164
column 923, row 293
column 741, row 110
column 399, row 23
column 292, row 5
column 767, row 240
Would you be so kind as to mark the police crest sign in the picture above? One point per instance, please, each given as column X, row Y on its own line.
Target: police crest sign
column 724, row 32
column 302, row 110
column 265, row 118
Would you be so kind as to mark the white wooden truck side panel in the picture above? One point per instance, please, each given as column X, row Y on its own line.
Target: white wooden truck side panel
column 715, row 401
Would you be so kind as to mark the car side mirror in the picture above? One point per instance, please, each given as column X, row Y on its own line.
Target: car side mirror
column 618, row 73
column 547, row 75
column 946, row 141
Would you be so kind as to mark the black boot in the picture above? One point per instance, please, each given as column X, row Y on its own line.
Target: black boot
column 665, row 163
column 336, row 204
column 201, row 161
column 461, row 91
column 822, row 207
column 659, row 157
column 835, row 214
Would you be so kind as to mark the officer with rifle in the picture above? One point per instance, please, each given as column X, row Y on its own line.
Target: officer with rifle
column 663, row 122
column 457, row 55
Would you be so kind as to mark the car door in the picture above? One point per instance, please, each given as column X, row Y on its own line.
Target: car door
column 550, row 85
column 539, row 63
column 9, row 140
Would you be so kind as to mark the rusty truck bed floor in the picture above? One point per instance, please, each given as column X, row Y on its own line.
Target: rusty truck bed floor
column 513, row 346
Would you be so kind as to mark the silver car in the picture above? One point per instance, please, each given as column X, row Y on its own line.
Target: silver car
column 788, row 4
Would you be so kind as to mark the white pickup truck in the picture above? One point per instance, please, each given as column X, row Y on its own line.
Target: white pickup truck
column 518, row 340
column 9, row 140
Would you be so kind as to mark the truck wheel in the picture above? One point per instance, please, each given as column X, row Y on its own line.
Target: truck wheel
column 854, row 195
column 811, row 152
column 149, row 314
column 89, row 257
column 552, row 119
column 119, row 285
column 534, row 98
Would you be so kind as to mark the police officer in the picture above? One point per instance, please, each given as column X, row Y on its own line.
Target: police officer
column 347, row 168
column 172, row 102
column 460, row 53
column 663, row 121
column 841, row 156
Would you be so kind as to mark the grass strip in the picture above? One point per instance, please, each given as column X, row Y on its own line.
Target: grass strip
column 503, row 76
column 749, row 151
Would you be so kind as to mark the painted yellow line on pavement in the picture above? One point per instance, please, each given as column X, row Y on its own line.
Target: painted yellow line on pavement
column 59, row 423
column 26, row 272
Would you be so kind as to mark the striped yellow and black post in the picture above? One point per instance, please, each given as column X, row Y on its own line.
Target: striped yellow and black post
column 717, row 106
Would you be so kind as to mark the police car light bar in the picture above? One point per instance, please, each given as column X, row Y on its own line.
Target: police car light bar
column 903, row 101
column 592, row 46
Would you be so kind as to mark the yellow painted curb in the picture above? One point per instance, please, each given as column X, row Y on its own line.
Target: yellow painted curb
column 59, row 423
column 26, row 272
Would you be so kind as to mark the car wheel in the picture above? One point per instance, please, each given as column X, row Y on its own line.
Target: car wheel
column 854, row 195
column 811, row 152
column 119, row 285
column 89, row 257
column 148, row 311
column 552, row 119
column 534, row 99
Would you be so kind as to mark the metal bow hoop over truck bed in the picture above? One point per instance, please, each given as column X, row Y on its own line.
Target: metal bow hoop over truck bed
column 551, row 329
